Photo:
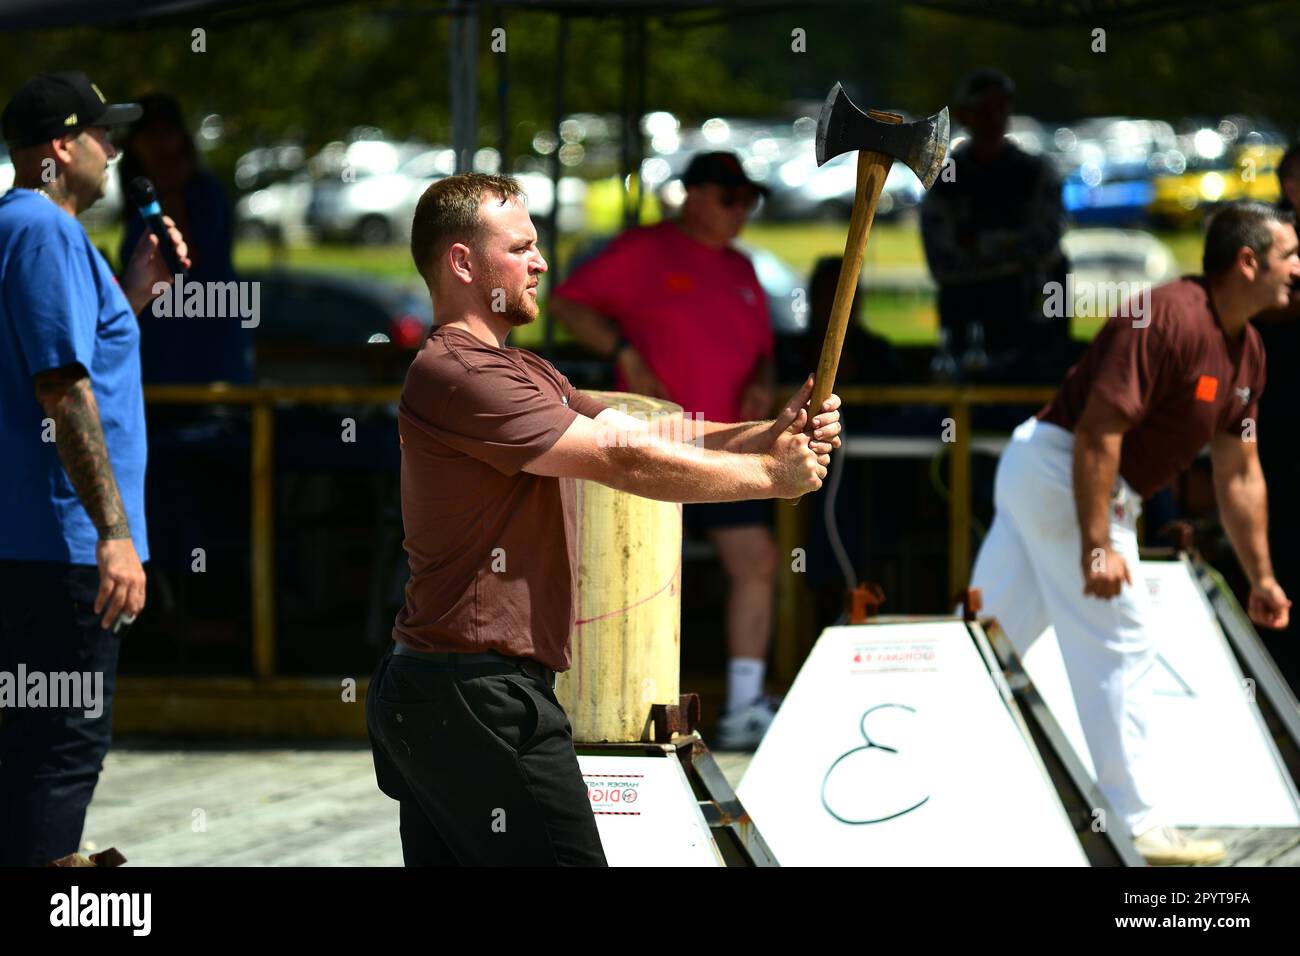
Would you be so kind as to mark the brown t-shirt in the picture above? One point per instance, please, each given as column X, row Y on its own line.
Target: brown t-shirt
column 1179, row 379
column 491, row 548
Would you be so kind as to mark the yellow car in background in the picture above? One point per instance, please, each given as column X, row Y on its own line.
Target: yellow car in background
column 1244, row 172
column 1257, row 166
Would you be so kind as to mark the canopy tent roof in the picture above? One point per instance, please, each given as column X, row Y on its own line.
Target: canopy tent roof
column 44, row 14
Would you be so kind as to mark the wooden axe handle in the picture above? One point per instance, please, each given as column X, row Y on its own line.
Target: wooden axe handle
column 872, row 170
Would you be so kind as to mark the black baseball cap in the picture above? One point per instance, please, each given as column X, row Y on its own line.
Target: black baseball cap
column 58, row 104
column 721, row 168
column 975, row 86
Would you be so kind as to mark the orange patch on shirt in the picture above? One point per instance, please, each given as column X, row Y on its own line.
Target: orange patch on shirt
column 1207, row 387
column 679, row 282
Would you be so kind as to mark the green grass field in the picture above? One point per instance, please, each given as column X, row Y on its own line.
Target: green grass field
column 905, row 318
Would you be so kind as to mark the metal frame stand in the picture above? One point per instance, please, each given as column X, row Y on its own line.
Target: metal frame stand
column 462, row 69
column 734, row 833
column 1277, row 704
column 1075, row 786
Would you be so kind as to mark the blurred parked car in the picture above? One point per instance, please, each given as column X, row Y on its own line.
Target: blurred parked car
column 1108, row 193
column 375, row 204
column 361, row 193
column 1256, row 169
column 426, row 168
column 277, row 189
column 1117, row 255
column 277, row 212
column 304, row 307
column 1106, row 262
column 1182, row 197
column 803, row 190
column 264, row 165
column 1121, row 140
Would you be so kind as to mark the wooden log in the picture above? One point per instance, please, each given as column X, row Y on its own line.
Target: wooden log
column 627, row 639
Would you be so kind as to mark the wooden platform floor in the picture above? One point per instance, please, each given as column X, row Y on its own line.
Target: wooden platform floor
column 290, row 804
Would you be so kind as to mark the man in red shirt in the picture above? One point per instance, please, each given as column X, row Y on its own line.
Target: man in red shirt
column 1151, row 391
column 465, row 729
column 681, row 313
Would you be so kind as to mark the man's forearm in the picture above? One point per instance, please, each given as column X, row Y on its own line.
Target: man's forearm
column 1243, row 510
column 670, row 471
column 741, row 438
column 1096, row 463
column 588, row 326
column 79, row 440
column 139, row 299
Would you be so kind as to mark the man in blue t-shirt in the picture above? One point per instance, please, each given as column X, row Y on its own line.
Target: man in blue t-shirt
column 72, row 528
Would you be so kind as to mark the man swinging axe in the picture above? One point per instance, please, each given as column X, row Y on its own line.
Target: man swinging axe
column 466, row 731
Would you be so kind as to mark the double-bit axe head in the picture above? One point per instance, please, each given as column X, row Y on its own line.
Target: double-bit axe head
column 843, row 127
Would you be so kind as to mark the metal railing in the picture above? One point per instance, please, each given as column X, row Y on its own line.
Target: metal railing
column 263, row 399
column 957, row 401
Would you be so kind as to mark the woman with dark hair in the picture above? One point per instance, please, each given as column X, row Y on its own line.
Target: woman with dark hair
column 176, row 348
column 197, row 452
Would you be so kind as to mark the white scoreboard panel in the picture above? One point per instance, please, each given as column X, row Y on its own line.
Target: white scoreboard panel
column 1218, row 766
column 895, row 747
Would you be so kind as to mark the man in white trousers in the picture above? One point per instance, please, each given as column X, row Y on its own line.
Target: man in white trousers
column 1163, row 378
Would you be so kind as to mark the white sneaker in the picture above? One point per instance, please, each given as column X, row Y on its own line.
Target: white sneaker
column 1165, row 846
column 744, row 728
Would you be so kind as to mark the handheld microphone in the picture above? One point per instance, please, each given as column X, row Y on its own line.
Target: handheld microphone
column 142, row 194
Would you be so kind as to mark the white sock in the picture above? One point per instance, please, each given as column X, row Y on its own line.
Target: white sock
column 744, row 681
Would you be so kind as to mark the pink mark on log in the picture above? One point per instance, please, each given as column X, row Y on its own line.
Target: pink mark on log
column 669, row 586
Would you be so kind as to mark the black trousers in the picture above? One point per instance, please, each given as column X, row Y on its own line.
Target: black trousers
column 481, row 760
column 50, row 757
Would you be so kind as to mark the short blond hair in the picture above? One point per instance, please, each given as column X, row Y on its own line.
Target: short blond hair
column 448, row 213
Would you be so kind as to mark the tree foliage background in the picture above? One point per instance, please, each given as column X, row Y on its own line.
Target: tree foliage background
column 295, row 71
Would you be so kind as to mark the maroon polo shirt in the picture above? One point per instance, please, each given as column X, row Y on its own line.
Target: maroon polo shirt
column 491, row 548
column 1179, row 380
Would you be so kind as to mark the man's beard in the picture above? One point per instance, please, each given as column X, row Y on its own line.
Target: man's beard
column 96, row 188
column 519, row 309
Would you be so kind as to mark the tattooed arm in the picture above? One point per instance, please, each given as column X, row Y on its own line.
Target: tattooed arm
column 67, row 399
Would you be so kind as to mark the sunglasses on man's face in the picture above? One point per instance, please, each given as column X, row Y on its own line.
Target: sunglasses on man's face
column 738, row 196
